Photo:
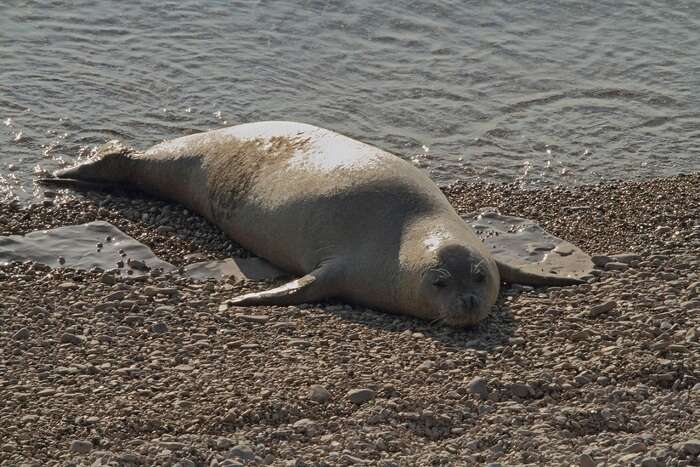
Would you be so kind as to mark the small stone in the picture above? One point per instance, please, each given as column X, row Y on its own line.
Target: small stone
column 137, row 264
column 597, row 310
column 108, row 279
column 131, row 320
column 22, row 334
column 172, row 445
column 521, row 390
column 615, row 266
column 318, row 393
column 252, row 318
column 692, row 447
column 600, row 260
column 80, row 446
column 648, row 462
column 628, row 458
column 68, row 338
column 360, row 396
column 159, row 328
column 626, row 258
column 479, row 386
column 241, row 452
column 305, row 425
column 585, row 460
column 635, row 447
column 224, row 443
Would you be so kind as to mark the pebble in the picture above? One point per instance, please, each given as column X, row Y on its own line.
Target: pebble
column 22, row 334
column 242, row 452
column 252, row 318
column 159, row 328
column 360, row 396
column 80, row 446
column 520, row 390
column 224, row 443
column 635, row 447
column 615, row 266
column 585, row 460
column 600, row 260
column 605, row 307
column 305, row 425
column 68, row 338
column 318, row 393
column 626, row 258
column 107, row 278
column 692, row 447
column 172, row 445
column 479, row 386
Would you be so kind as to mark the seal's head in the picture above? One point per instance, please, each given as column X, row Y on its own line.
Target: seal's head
column 459, row 284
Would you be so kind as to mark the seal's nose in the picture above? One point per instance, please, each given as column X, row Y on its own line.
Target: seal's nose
column 470, row 301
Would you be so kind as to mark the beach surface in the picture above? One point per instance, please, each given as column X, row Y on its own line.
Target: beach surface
column 160, row 370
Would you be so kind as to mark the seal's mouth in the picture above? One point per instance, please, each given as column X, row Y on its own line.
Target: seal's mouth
column 461, row 317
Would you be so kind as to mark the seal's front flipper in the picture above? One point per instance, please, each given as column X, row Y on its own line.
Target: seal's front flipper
column 309, row 288
column 518, row 275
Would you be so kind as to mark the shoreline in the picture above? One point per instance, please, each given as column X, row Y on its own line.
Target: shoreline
column 160, row 370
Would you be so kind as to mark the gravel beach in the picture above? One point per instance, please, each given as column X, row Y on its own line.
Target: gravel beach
column 161, row 370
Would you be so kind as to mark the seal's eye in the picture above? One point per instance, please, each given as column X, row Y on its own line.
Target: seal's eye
column 479, row 276
column 440, row 282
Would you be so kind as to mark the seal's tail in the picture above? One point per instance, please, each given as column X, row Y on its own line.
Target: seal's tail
column 109, row 165
column 77, row 184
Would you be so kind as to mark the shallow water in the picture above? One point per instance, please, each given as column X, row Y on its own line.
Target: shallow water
column 541, row 93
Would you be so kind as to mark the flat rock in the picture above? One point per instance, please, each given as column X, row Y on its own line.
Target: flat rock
column 524, row 244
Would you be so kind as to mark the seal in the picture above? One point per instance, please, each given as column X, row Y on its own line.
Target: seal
column 351, row 221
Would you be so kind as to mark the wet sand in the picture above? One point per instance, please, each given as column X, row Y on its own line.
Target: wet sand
column 160, row 370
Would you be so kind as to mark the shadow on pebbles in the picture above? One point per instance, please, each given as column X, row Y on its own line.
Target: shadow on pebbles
column 159, row 370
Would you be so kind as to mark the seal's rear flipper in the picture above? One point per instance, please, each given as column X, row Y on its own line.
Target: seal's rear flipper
column 516, row 275
column 77, row 184
column 309, row 288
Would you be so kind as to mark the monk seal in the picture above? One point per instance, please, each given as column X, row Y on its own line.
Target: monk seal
column 350, row 220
